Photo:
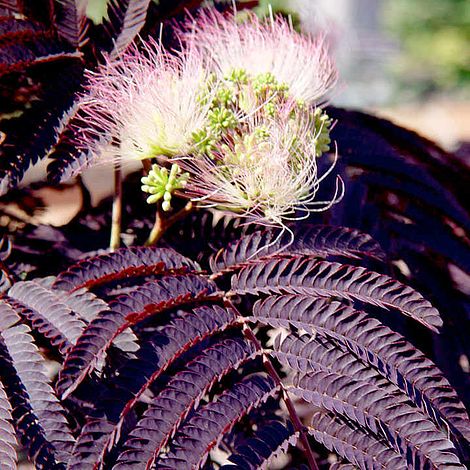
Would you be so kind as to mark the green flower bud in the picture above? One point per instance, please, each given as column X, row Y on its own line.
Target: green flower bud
column 204, row 141
column 270, row 109
column 221, row 119
column 160, row 184
column 264, row 82
column 224, row 96
column 267, row 83
column 261, row 132
column 237, row 76
column 322, row 131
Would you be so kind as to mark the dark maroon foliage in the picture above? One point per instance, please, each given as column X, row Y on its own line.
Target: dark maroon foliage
column 124, row 263
column 167, row 410
column 309, row 240
column 325, row 279
column 196, row 362
column 228, row 346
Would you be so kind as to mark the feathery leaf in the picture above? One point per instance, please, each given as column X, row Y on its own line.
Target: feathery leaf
column 39, row 417
column 349, row 442
column 328, row 279
column 315, row 240
column 125, row 311
column 407, row 431
column 376, row 345
column 122, row 264
column 184, row 391
column 205, row 428
column 48, row 314
column 257, row 452
column 126, row 19
column 8, row 457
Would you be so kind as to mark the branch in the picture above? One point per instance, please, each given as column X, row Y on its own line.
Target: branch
column 161, row 224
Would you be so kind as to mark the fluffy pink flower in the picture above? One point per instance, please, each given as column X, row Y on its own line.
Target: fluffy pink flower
column 267, row 173
column 265, row 46
column 147, row 103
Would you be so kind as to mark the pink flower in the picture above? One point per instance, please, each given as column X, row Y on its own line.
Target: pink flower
column 260, row 46
column 267, row 173
column 237, row 108
column 147, row 103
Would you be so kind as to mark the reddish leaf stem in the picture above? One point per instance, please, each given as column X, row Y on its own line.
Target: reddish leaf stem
column 298, row 425
column 162, row 224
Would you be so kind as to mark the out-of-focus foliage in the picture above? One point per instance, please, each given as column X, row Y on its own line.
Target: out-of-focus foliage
column 434, row 35
column 280, row 6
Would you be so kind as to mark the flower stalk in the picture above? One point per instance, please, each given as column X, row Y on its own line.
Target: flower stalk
column 162, row 223
column 116, row 217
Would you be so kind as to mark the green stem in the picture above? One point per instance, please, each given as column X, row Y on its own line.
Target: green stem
column 116, row 218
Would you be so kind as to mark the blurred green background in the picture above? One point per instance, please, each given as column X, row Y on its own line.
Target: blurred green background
column 435, row 39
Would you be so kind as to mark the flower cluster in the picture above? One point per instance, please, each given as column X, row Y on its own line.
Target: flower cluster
column 238, row 108
column 271, row 46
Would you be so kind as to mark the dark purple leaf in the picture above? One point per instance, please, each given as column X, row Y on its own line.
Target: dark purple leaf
column 10, row 25
column 376, row 345
column 5, row 276
column 89, row 443
column 38, row 415
column 24, row 49
column 123, row 263
column 184, row 391
column 342, row 466
column 205, row 428
column 308, row 353
column 383, row 148
column 415, row 437
column 327, row 279
column 137, row 375
column 127, row 310
column 351, row 443
column 30, row 136
column 48, row 313
column 8, row 444
column 270, row 441
column 12, row 5
column 314, row 240
column 71, row 20
column 67, row 159
column 125, row 19
column 88, row 306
